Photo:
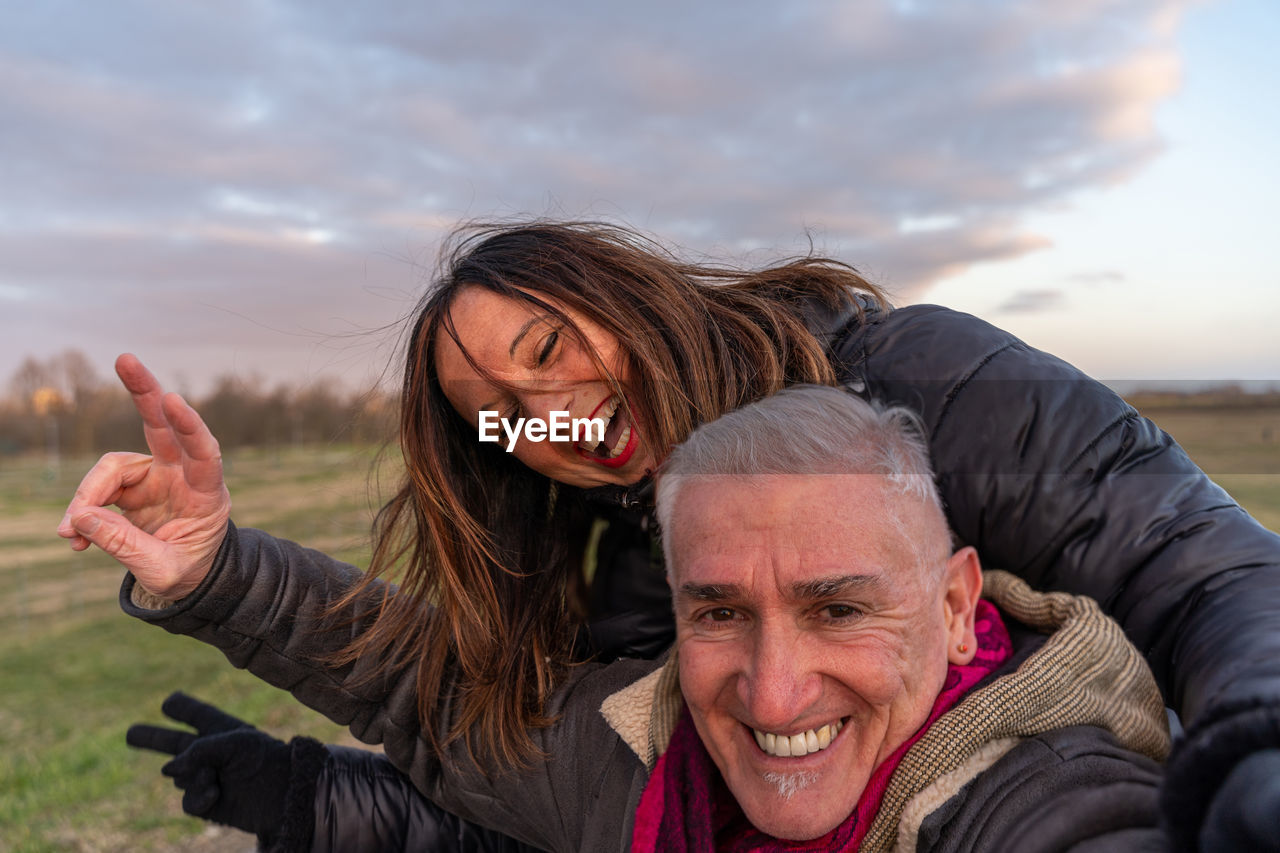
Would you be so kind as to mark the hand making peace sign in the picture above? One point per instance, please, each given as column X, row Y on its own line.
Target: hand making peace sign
column 174, row 502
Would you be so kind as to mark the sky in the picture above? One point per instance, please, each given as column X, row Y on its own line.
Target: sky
column 257, row 188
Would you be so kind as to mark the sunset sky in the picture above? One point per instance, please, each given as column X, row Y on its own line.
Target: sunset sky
column 257, row 187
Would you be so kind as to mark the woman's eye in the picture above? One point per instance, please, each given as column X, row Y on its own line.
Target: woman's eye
column 547, row 347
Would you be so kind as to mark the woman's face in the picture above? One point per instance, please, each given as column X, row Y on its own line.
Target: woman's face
column 547, row 371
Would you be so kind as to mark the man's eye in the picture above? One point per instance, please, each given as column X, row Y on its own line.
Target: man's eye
column 547, row 347
column 840, row 612
column 720, row 614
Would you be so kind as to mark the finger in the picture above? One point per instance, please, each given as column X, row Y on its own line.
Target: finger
column 183, row 767
column 116, row 535
column 202, row 792
column 201, row 455
column 158, row 738
column 103, row 485
column 205, row 718
column 148, row 397
column 68, row 531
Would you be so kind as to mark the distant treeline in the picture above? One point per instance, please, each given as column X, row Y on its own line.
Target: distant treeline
column 1223, row 397
column 63, row 405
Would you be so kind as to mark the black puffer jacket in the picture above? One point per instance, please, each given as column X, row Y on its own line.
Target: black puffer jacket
column 1055, row 478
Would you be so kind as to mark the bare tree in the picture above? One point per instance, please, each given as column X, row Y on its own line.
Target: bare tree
column 28, row 380
column 75, row 375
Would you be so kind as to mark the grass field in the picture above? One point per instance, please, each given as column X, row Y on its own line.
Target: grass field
column 74, row 672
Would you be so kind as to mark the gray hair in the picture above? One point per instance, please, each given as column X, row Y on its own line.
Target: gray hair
column 804, row 429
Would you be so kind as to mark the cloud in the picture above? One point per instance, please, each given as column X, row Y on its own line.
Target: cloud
column 1032, row 302
column 258, row 157
column 1097, row 278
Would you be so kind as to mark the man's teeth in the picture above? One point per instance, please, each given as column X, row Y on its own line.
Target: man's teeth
column 786, row 746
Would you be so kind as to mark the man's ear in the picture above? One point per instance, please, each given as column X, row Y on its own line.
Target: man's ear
column 962, row 587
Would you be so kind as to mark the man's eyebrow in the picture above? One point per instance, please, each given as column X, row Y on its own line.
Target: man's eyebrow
column 710, row 591
column 828, row 587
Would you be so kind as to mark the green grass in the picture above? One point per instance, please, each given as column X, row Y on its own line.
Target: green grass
column 75, row 673
column 66, row 772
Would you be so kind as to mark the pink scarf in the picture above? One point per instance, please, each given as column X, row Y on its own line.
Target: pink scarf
column 687, row 808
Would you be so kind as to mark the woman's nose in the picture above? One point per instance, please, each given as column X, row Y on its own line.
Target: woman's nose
column 541, row 399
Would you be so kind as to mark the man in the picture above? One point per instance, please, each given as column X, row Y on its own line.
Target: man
column 836, row 678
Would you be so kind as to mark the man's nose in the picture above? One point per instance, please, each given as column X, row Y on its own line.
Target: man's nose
column 779, row 682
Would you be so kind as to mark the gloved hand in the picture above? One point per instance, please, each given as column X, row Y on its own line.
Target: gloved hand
column 1245, row 813
column 1221, row 788
column 230, row 772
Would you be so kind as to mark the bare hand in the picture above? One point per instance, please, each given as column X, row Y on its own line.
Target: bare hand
column 175, row 504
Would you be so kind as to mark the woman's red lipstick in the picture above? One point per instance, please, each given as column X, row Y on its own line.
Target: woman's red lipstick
column 623, row 457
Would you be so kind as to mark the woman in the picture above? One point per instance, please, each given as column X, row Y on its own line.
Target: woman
column 1038, row 467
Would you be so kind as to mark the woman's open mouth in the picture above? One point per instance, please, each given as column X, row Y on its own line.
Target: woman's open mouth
column 620, row 436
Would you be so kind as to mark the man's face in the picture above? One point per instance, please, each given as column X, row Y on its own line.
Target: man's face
column 812, row 642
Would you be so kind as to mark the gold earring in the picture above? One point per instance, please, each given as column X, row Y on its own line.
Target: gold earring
column 963, row 647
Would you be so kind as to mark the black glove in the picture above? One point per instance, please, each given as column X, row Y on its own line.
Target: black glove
column 1245, row 813
column 234, row 774
column 1221, row 790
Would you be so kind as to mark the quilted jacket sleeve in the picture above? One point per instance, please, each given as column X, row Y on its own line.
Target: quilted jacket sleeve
column 264, row 606
column 363, row 803
column 1054, row 477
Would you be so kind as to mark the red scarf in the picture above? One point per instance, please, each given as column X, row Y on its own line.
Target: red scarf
column 687, row 808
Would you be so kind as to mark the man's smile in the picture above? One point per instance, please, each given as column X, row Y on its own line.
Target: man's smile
column 798, row 744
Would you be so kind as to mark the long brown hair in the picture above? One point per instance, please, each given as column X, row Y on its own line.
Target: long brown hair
column 491, row 544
